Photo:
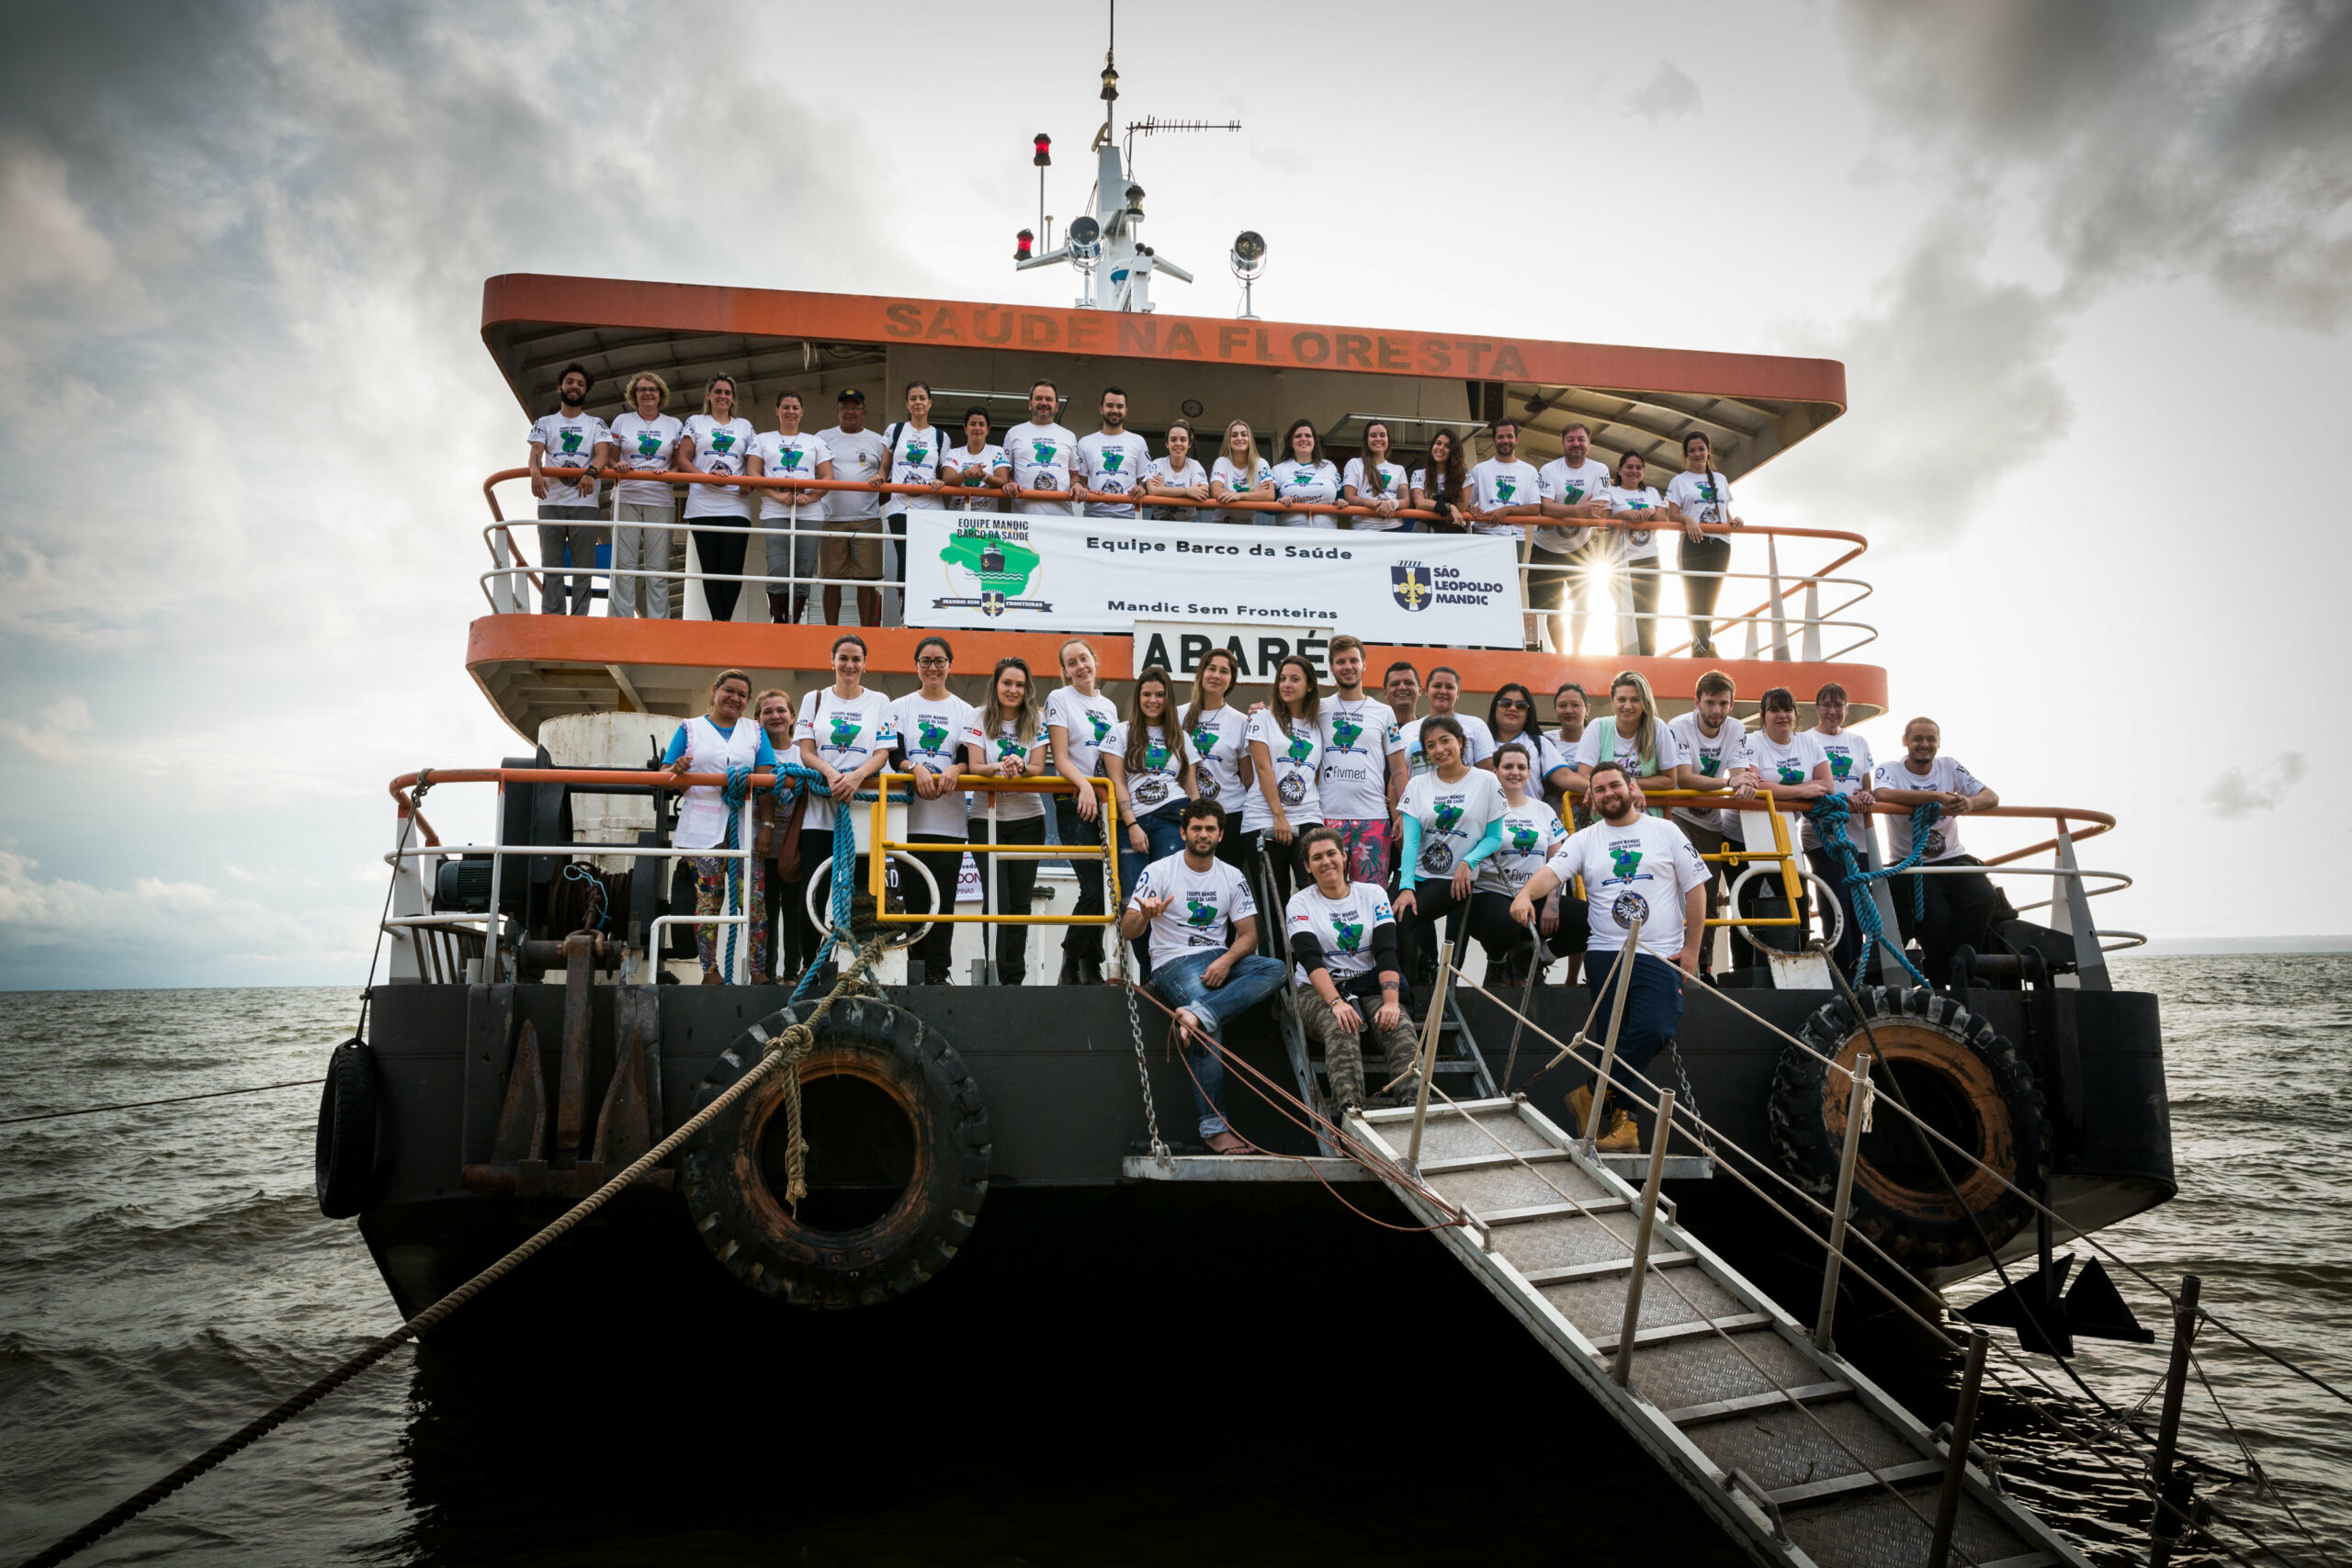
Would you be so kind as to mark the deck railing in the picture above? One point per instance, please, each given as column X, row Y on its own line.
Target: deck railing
column 1795, row 615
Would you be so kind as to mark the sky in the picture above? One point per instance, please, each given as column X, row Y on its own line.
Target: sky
column 2089, row 268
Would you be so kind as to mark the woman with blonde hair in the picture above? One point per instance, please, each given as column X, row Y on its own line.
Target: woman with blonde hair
column 643, row 439
column 1238, row 474
column 715, row 442
column 1635, row 738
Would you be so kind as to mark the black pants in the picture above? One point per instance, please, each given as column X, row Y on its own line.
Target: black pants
column 1233, row 848
column 816, row 849
column 1708, row 841
column 1646, row 579
column 786, row 955
column 1709, row 554
column 936, row 951
column 1083, row 941
column 1016, row 886
column 1959, row 914
column 1850, row 937
column 1281, row 863
column 721, row 553
column 1433, row 902
column 1507, row 945
column 1575, row 929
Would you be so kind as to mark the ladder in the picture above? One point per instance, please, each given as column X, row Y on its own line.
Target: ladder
column 1787, row 1446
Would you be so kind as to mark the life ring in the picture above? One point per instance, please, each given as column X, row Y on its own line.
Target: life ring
column 898, row 1161
column 1963, row 1079
column 349, row 1139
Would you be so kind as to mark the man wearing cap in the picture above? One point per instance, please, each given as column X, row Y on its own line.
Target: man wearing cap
column 852, row 542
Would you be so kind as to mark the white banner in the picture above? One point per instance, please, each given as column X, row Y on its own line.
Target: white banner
column 984, row 570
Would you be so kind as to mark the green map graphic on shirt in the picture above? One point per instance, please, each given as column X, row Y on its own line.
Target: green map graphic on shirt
column 1100, row 726
column 1111, row 461
column 1349, row 934
column 791, row 456
column 1302, row 746
column 929, row 736
column 648, row 443
column 1006, row 746
column 1503, row 489
column 1345, row 732
column 1522, row 837
column 1199, row 913
column 1447, row 813
column 1840, row 764
column 1155, row 757
column 845, row 729
column 571, row 441
column 1709, row 766
column 1627, row 861
column 1792, row 774
column 916, row 454
column 1007, row 573
column 722, row 440
column 1043, row 451
column 1205, row 740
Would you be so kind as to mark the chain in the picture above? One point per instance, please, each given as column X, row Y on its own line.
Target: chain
column 1143, row 1069
column 1685, row 1093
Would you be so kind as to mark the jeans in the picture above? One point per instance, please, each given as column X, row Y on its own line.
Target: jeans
column 1179, row 983
column 641, row 549
column 574, row 531
column 1653, row 1012
column 1083, row 941
column 1167, row 837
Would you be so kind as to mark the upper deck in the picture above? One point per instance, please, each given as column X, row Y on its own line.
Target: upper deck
column 1786, row 616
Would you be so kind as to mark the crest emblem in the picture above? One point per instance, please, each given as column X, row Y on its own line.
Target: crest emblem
column 1411, row 586
column 1437, row 858
column 1293, row 789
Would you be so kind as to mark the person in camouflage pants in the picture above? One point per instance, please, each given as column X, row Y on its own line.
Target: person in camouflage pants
column 1342, row 939
column 1343, row 1051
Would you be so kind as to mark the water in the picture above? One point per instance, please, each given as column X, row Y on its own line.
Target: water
column 165, row 1275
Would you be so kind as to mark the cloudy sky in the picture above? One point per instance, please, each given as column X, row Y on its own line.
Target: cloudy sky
column 2089, row 268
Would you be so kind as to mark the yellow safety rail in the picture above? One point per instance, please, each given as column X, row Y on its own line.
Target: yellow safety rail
column 883, row 846
column 1782, row 850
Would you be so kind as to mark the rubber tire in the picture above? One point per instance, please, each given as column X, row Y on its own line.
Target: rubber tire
column 349, row 1109
column 747, row 1226
column 1917, row 1029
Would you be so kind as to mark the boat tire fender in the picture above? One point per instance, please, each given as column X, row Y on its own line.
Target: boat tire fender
column 735, row 1199
column 1967, row 1080
column 349, row 1139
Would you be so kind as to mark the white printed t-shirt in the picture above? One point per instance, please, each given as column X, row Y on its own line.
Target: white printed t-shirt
column 719, row 449
column 1297, row 755
column 1306, row 482
column 1235, row 479
column 1113, row 463
column 1358, row 739
column 990, row 457
column 1789, row 764
column 1622, row 749
column 1161, row 779
column 1043, row 456
column 1201, row 906
column 1343, row 926
column 932, row 735
column 1190, row 474
column 569, row 441
column 1850, row 764
column 862, row 456
column 1454, row 818
column 644, row 445
column 1943, row 774
column 1641, row 543
column 1086, row 723
column 1570, row 487
column 1714, row 760
column 1495, row 484
column 915, row 456
column 788, row 456
column 846, row 734
column 1395, row 488
column 1011, row 805
column 1220, row 739
column 1473, row 731
column 1644, row 869
column 1533, row 834
column 1705, row 498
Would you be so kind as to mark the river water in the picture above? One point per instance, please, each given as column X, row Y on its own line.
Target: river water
column 165, row 1275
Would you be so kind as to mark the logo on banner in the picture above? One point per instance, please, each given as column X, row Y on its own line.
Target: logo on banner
column 1411, row 586
column 993, row 568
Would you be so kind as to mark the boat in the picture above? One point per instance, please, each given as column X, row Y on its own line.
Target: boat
column 1030, row 1142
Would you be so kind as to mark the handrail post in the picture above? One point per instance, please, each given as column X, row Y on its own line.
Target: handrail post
column 1964, row 1431
column 502, row 596
column 1812, row 642
column 734, row 876
column 1429, row 1027
column 996, row 898
column 1630, row 1322
column 1857, row 1099
column 1616, row 1015
column 491, row 949
column 1780, row 607
column 2164, row 1533
column 2070, row 909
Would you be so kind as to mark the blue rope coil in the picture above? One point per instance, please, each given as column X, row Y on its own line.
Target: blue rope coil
column 790, row 779
column 1828, row 817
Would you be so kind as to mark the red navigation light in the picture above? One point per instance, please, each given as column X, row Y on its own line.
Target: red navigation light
column 1020, row 243
column 1045, row 150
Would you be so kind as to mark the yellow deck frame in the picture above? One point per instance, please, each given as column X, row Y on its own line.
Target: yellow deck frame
column 1033, row 783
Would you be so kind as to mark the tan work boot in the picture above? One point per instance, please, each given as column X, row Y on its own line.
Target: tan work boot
column 1622, row 1137
column 1580, row 1110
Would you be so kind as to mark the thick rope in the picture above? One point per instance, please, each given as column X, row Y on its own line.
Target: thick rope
column 783, row 1050
column 1828, row 819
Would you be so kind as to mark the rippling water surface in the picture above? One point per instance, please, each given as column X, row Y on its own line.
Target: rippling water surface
column 165, row 1275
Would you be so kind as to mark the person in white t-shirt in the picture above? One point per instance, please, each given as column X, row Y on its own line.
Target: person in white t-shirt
column 1218, row 730
column 1305, row 478
column 1114, row 461
column 570, row 438
column 1442, row 485
column 789, row 452
column 715, row 442
column 1790, row 766
column 1347, row 977
column 1204, row 924
column 1451, row 816
column 1850, row 767
column 852, row 543
column 1008, row 739
column 719, row 741
column 1363, row 764
column 1240, row 474
column 1715, row 756
column 643, row 439
column 1445, row 695
column 1633, row 736
column 915, row 450
column 1374, row 481
column 1529, row 833
column 978, row 462
column 1636, row 504
column 1571, row 486
column 1635, row 868
column 1179, row 477
column 846, row 733
column 1078, row 719
column 1698, row 499
column 1960, row 906
column 1400, row 688
column 1285, row 760
column 933, row 723
column 1504, row 493
column 1510, row 715
column 1151, row 772
column 1044, row 455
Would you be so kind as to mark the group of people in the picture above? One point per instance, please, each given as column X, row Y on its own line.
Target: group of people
column 1559, row 515
column 1380, row 827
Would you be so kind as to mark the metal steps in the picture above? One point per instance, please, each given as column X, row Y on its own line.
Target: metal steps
column 1800, row 1457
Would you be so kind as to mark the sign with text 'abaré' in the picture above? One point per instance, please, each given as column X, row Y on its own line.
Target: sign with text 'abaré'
column 986, row 571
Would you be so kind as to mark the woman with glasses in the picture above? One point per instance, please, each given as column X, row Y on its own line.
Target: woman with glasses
column 1511, row 716
column 1007, row 738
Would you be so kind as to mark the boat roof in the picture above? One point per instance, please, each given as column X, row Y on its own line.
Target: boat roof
column 1751, row 406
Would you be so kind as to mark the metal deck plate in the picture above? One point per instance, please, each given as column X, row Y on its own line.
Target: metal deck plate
column 1598, row 1306
column 1872, row 1528
column 1784, row 1448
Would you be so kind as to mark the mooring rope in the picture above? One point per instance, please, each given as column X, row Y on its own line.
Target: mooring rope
column 783, row 1050
column 1828, row 819
column 174, row 1100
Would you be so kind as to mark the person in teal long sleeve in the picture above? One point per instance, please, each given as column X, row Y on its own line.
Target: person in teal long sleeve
column 1452, row 819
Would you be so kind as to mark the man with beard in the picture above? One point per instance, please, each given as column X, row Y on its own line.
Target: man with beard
column 1113, row 459
column 1960, row 906
column 1570, row 485
column 1044, row 454
column 1503, row 491
column 1715, row 756
column 570, row 438
column 1363, row 766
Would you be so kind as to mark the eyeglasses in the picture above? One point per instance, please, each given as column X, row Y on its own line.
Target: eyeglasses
column 1512, row 703
column 932, row 662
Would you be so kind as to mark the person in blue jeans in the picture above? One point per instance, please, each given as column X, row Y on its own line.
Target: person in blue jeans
column 1151, row 771
column 1202, row 925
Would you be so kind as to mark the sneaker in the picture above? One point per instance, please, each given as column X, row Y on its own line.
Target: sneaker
column 1069, row 975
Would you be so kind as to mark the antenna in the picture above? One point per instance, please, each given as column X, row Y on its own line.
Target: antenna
column 1152, row 125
